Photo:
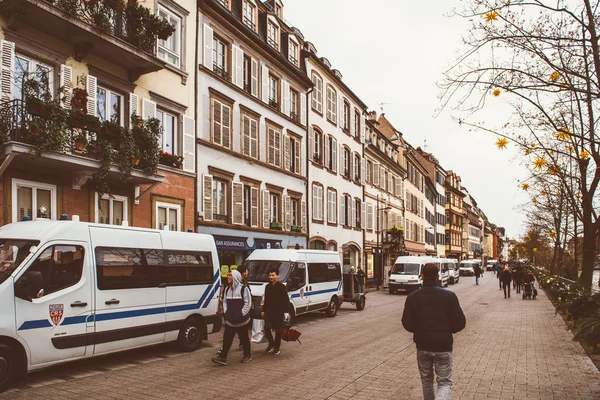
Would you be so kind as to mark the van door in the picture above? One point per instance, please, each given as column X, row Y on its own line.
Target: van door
column 130, row 307
column 299, row 296
column 53, row 301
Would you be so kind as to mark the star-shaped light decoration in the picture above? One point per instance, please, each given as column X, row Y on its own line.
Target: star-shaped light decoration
column 562, row 135
column 539, row 163
column 584, row 155
column 496, row 92
column 571, row 149
column 525, row 186
column 554, row 76
column 501, row 143
column 491, row 16
column 527, row 151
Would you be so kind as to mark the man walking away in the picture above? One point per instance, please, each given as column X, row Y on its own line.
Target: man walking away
column 506, row 277
column 276, row 303
column 433, row 314
column 236, row 307
column 518, row 277
column 499, row 270
column 477, row 271
column 361, row 280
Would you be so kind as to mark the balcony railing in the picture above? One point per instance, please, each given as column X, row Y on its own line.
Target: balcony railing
column 219, row 70
column 273, row 43
column 294, row 60
column 273, row 103
column 294, row 116
column 249, row 23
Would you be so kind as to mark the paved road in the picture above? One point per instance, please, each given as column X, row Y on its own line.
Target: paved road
column 510, row 349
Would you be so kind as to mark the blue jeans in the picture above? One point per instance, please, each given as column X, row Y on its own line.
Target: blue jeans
column 443, row 369
column 477, row 280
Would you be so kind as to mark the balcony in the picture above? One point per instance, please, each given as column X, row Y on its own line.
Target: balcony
column 39, row 136
column 125, row 35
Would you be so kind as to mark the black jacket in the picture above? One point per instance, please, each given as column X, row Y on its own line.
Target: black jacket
column 506, row 276
column 276, row 300
column 477, row 270
column 433, row 314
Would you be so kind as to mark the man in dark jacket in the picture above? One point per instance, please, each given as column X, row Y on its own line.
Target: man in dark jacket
column 433, row 314
column 276, row 303
column 506, row 278
column 477, row 271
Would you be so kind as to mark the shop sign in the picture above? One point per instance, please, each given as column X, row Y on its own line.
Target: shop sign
column 230, row 242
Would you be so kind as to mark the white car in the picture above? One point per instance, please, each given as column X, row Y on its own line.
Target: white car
column 466, row 268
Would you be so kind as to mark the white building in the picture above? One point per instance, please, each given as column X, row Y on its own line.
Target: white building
column 336, row 165
column 251, row 128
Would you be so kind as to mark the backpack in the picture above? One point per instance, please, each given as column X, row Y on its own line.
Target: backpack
column 290, row 335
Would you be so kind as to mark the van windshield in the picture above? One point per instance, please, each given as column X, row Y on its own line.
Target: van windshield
column 406, row 269
column 258, row 271
column 12, row 254
column 466, row 265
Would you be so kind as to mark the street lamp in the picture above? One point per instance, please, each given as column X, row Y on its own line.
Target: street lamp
column 379, row 259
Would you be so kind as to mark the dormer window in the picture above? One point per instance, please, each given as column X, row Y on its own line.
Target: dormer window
column 249, row 15
column 273, row 35
column 224, row 3
column 293, row 52
column 278, row 10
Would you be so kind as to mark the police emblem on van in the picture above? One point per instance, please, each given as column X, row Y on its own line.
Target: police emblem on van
column 56, row 313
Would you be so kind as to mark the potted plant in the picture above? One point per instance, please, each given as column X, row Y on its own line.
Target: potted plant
column 296, row 228
column 79, row 142
column 276, row 225
column 170, row 160
column 136, row 156
column 78, row 116
column 145, row 134
column 111, row 132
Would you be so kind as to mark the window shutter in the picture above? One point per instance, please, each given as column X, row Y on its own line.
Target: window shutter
column 342, row 217
column 334, row 155
column 341, row 121
column 390, row 187
column 297, row 156
column 342, row 159
column 350, row 165
column 303, row 109
column 382, row 178
column 363, row 171
column 207, row 193
column 311, row 143
column 303, row 215
column 208, row 47
column 288, row 213
column 369, row 217
column 245, row 128
column 66, row 83
column 353, row 216
column 390, row 217
column 254, row 139
column 92, row 92
column 134, row 105
column 217, row 122
column 254, row 87
column 237, row 205
column 265, row 84
column 189, row 144
column 254, row 207
column 148, row 109
column 285, row 97
column 353, row 123
column 286, row 153
column 326, row 156
column 271, row 147
column 363, row 128
column 376, row 174
column 363, row 215
column 238, row 74
column 8, row 66
column 226, row 133
column 265, row 209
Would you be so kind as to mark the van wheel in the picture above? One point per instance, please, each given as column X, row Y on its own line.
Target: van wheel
column 190, row 335
column 360, row 305
column 8, row 366
column 332, row 308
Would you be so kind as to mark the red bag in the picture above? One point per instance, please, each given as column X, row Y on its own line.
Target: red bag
column 290, row 335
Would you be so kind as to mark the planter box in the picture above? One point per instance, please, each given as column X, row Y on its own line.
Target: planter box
column 276, row 225
column 296, row 228
column 84, row 123
column 38, row 108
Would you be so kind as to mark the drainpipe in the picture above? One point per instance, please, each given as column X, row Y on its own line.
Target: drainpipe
column 196, row 74
column 307, row 161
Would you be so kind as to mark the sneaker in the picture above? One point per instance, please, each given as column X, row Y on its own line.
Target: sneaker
column 269, row 349
column 220, row 351
column 247, row 359
column 219, row 360
column 276, row 352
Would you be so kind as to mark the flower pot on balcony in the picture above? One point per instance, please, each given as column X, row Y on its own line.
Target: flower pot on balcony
column 79, row 143
column 296, row 228
column 276, row 225
column 136, row 161
column 38, row 108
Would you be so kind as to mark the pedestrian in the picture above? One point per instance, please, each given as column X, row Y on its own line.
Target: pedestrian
column 361, row 279
column 276, row 303
column 243, row 270
column 236, row 306
column 433, row 314
column 499, row 269
column 227, row 284
column 518, row 277
column 506, row 278
column 477, row 271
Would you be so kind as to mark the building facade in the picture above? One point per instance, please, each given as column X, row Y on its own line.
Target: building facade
column 251, row 128
column 454, row 216
column 108, row 111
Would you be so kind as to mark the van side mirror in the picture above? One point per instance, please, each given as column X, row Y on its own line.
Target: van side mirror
column 30, row 286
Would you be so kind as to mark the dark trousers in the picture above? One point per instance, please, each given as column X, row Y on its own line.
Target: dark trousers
column 228, row 336
column 506, row 286
column 499, row 282
column 276, row 324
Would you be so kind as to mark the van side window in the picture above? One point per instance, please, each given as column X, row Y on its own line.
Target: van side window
column 333, row 272
column 187, row 267
column 124, row 268
column 317, row 272
column 60, row 266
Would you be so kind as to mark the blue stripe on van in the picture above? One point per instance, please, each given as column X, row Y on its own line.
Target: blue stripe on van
column 297, row 295
column 44, row 323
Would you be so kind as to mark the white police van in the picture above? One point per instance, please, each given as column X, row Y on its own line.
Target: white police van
column 313, row 279
column 453, row 270
column 71, row 290
column 405, row 275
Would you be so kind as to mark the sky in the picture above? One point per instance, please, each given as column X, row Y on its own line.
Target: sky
column 395, row 52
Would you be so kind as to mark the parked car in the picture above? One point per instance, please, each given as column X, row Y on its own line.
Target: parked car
column 466, row 267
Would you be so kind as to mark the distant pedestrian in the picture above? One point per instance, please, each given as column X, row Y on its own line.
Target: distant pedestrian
column 506, row 278
column 477, row 272
column 499, row 269
column 361, row 280
column 433, row 314
column 276, row 304
column 518, row 278
column 236, row 306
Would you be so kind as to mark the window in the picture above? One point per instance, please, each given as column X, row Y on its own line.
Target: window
column 356, row 124
column 317, row 94
column 111, row 210
column 332, row 156
column 33, row 199
column 357, row 212
column 28, row 68
column 109, row 106
column 331, row 206
column 249, row 136
column 127, row 268
column 331, row 105
column 346, row 218
column 168, row 134
column 322, row 272
column 220, row 51
column 294, row 104
column 370, row 217
column 317, row 192
column 295, row 159
column 168, row 215
column 249, row 15
column 356, row 168
column 60, row 267
column 275, row 205
column 318, row 147
column 274, row 147
column 347, row 163
column 224, row 3
column 247, row 73
column 293, row 52
column 185, row 267
column 368, row 171
column 273, row 91
column 219, row 201
column 295, row 214
column 346, row 117
column 272, row 35
column 221, row 124
column 169, row 50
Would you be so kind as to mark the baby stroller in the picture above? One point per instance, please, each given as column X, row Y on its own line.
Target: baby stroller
column 529, row 291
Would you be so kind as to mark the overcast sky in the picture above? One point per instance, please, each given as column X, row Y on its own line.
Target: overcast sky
column 395, row 52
